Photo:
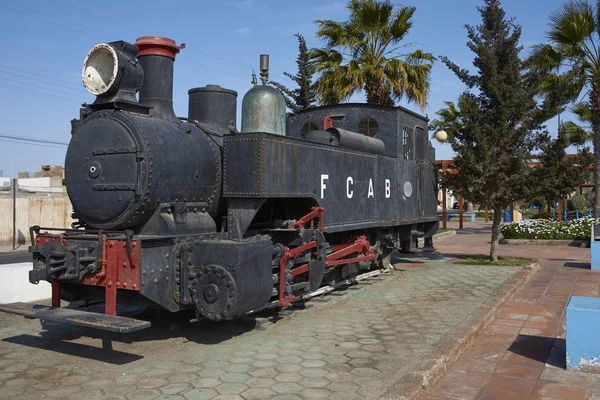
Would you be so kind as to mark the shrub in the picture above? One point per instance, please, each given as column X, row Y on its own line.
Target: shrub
column 546, row 228
column 578, row 202
column 544, row 216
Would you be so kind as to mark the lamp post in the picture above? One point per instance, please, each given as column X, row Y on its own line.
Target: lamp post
column 441, row 136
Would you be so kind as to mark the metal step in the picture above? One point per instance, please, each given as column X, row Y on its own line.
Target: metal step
column 111, row 323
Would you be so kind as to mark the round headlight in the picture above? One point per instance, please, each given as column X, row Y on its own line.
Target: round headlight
column 100, row 69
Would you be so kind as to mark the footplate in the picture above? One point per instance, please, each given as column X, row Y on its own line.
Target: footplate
column 86, row 319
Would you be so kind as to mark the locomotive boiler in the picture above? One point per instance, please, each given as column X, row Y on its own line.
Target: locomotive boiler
column 190, row 213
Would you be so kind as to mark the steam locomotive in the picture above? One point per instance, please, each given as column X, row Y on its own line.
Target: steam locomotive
column 190, row 213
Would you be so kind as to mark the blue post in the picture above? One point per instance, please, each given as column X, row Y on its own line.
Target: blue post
column 583, row 337
column 565, row 215
column 576, row 214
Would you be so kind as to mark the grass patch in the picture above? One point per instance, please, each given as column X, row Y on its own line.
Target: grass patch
column 442, row 230
column 502, row 261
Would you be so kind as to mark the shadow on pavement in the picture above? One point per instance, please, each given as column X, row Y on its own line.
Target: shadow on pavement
column 59, row 337
column 75, row 349
column 545, row 350
column 581, row 265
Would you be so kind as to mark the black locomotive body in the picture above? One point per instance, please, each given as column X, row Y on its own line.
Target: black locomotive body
column 190, row 213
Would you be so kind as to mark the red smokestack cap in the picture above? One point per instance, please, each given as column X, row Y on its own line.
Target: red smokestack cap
column 157, row 46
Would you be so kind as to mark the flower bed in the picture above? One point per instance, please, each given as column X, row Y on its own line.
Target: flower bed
column 550, row 229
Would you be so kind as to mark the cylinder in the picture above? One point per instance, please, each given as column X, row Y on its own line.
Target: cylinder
column 156, row 56
column 263, row 110
column 354, row 140
column 213, row 106
column 264, row 62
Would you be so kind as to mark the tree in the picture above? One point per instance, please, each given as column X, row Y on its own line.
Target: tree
column 304, row 96
column 494, row 125
column 558, row 176
column 571, row 65
column 366, row 53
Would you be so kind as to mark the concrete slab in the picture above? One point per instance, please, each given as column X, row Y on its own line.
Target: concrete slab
column 15, row 286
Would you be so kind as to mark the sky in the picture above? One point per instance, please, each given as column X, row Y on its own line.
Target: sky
column 44, row 43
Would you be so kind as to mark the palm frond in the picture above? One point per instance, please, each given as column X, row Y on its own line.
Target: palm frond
column 576, row 134
column 583, row 110
column 402, row 23
column 572, row 24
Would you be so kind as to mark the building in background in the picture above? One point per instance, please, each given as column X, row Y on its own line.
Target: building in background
column 47, row 181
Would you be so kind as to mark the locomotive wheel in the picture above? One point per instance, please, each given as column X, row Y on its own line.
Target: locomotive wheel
column 215, row 292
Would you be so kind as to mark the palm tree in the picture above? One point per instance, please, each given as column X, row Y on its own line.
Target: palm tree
column 579, row 133
column 571, row 63
column 450, row 120
column 365, row 53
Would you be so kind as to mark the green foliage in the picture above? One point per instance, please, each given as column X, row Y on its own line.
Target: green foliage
column 550, row 229
column 557, row 175
column 366, row 53
column 580, row 132
column 303, row 97
column 544, row 216
column 577, row 202
column 492, row 126
column 501, row 262
column 538, row 202
column 569, row 65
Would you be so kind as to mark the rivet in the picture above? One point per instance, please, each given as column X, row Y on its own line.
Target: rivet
column 124, row 265
column 118, row 284
column 155, row 280
column 134, row 286
column 110, row 283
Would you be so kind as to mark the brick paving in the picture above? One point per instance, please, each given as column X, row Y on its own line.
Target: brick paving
column 521, row 354
column 347, row 345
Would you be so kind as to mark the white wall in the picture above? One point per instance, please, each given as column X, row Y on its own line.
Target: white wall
column 5, row 181
column 39, row 184
column 15, row 286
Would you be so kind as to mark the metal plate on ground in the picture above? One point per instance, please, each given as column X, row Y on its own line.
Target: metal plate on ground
column 111, row 323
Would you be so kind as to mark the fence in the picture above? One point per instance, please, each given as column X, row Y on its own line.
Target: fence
column 44, row 211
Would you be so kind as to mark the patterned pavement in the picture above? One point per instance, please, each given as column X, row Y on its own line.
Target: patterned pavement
column 351, row 344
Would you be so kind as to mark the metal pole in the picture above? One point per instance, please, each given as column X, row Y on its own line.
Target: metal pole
column 460, row 212
column 444, row 200
column 444, row 205
column 14, row 190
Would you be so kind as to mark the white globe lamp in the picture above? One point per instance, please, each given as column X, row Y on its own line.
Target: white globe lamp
column 441, row 136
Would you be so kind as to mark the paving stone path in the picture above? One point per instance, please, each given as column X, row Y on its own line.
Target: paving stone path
column 521, row 355
column 347, row 347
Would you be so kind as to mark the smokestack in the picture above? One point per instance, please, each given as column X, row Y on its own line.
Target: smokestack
column 156, row 56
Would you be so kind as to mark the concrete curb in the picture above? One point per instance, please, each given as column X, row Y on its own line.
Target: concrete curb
column 546, row 242
column 415, row 384
column 15, row 286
